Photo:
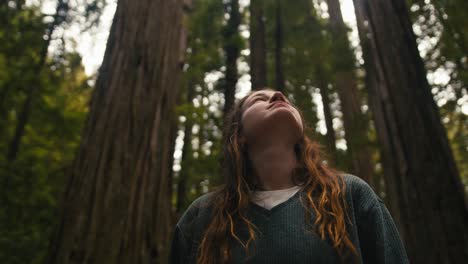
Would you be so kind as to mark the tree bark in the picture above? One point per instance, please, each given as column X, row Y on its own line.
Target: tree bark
column 257, row 41
column 345, row 81
column 231, row 49
column 280, row 82
column 421, row 178
column 116, row 207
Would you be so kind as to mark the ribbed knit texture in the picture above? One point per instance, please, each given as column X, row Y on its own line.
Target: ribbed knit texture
column 283, row 237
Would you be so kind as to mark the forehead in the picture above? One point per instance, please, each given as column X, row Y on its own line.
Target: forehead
column 265, row 92
column 256, row 93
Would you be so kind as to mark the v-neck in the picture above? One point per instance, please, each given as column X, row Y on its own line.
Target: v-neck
column 276, row 208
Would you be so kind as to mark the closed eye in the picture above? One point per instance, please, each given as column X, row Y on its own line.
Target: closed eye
column 260, row 97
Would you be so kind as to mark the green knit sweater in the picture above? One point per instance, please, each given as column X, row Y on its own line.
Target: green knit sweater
column 283, row 239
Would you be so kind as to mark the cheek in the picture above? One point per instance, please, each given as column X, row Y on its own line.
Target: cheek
column 245, row 118
column 249, row 118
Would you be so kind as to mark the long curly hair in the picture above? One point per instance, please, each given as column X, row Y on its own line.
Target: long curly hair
column 323, row 186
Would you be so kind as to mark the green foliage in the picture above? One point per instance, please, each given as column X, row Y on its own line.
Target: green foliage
column 304, row 46
column 205, row 56
column 440, row 24
column 31, row 186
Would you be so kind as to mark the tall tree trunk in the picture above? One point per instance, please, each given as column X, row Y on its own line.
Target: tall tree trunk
column 345, row 81
column 422, row 180
column 280, row 82
column 231, row 49
column 33, row 90
column 116, row 207
column 186, row 158
column 174, row 133
column 257, row 45
column 330, row 136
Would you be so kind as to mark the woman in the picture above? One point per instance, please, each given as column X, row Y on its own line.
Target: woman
column 280, row 203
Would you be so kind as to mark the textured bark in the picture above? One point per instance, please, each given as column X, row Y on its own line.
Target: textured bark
column 116, row 207
column 345, row 81
column 279, row 72
column 257, row 46
column 231, row 49
column 330, row 136
column 421, row 178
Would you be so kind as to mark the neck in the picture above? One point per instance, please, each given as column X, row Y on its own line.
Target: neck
column 273, row 165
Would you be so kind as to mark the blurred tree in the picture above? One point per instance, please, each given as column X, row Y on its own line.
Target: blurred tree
column 423, row 186
column 32, row 89
column 291, row 59
column 31, row 183
column 258, row 68
column 443, row 49
column 279, row 39
column 205, row 57
column 182, row 184
column 232, row 46
column 116, row 204
column 350, row 99
column 330, row 138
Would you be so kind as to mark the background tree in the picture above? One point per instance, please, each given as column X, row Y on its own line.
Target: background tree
column 31, row 182
column 350, row 99
column 258, row 68
column 116, row 205
column 232, row 46
column 201, row 112
column 442, row 42
column 422, row 180
column 279, row 38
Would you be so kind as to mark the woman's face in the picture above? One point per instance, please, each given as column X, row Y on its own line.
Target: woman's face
column 266, row 113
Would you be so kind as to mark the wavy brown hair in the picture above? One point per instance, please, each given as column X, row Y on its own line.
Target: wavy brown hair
column 323, row 187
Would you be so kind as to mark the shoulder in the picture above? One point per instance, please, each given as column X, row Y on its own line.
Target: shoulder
column 197, row 214
column 360, row 193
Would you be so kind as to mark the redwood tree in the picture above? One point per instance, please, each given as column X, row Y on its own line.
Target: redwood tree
column 346, row 86
column 330, row 137
column 116, row 205
column 257, row 45
column 232, row 46
column 422, row 181
column 279, row 39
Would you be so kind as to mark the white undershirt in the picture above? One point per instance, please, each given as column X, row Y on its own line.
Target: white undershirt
column 269, row 199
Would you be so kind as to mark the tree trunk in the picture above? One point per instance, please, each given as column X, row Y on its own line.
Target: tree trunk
column 421, row 178
column 174, row 133
column 257, row 46
column 280, row 82
column 330, row 136
column 116, row 207
column 231, row 49
column 186, row 158
column 345, row 81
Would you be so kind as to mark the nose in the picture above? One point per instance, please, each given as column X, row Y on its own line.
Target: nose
column 277, row 96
